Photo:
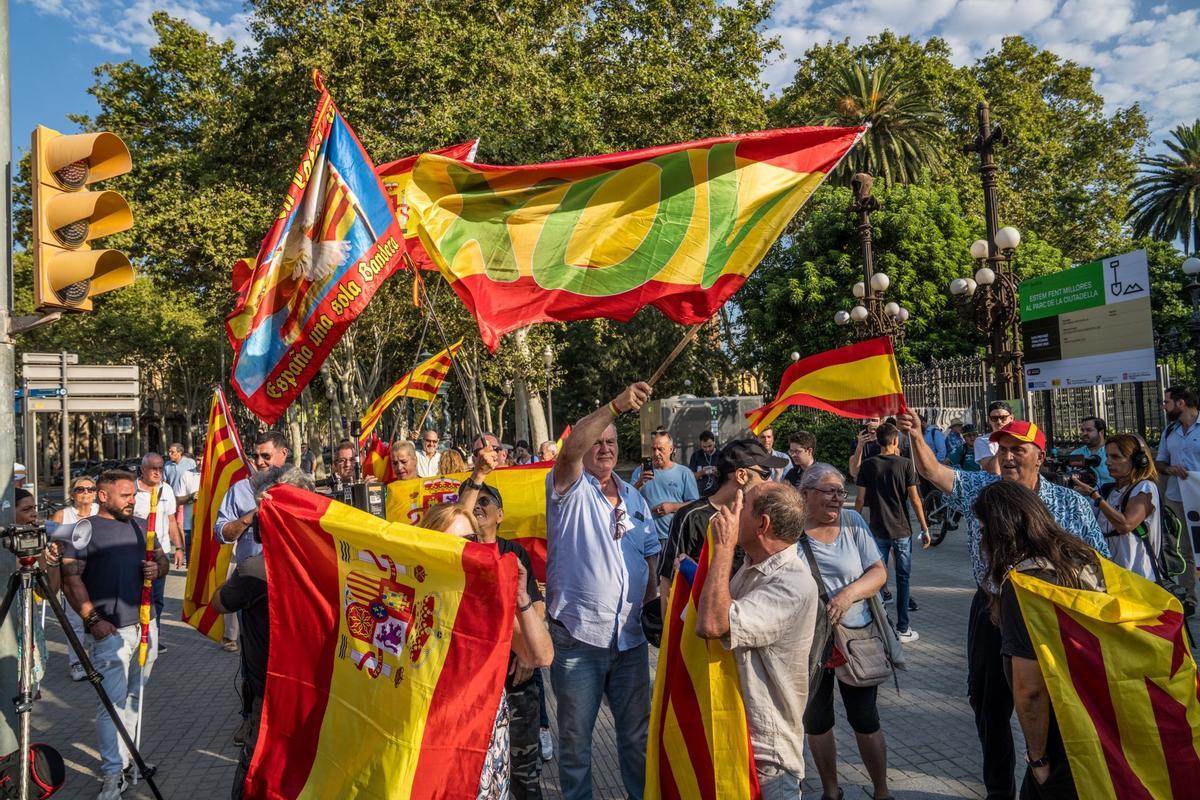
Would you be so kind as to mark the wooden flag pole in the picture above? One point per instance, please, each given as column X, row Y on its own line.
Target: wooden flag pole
column 674, row 354
column 462, row 382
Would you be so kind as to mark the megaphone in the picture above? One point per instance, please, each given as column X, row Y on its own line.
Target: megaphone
column 78, row 534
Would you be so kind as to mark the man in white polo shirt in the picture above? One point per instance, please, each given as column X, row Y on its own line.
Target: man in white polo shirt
column 1179, row 454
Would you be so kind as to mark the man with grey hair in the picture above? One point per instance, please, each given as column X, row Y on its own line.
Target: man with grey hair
column 766, row 615
column 166, row 528
column 245, row 593
column 428, row 457
column 667, row 487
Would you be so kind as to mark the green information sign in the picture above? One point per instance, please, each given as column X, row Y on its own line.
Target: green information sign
column 1063, row 292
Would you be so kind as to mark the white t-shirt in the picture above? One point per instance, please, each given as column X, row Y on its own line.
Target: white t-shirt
column 1127, row 549
column 427, row 466
column 71, row 516
column 984, row 447
column 166, row 509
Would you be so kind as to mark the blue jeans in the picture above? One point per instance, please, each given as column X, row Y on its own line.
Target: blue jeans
column 116, row 659
column 903, row 548
column 776, row 783
column 581, row 675
column 159, row 592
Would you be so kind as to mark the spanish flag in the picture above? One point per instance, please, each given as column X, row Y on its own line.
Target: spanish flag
column 861, row 380
column 389, row 647
column 397, row 177
column 679, row 226
column 699, row 746
column 377, row 459
column 1122, row 682
column 224, row 464
column 523, row 489
column 421, row 384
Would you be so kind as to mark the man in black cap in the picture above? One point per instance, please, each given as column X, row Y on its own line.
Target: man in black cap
column 524, row 694
column 741, row 464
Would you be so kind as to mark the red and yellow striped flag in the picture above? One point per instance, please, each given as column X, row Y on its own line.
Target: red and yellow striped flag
column 861, row 380
column 147, row 584
column 421, row 384
column 523, row 489
column 377, row 459
column 223, row 465
column 699, row 746
column 389, row 649
column 1122, row 682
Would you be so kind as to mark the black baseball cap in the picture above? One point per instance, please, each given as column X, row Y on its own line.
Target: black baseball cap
column 742, row 453
column 487, row 489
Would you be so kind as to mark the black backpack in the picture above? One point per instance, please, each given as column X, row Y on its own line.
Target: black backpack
column 1168, row 562
column 46, row 773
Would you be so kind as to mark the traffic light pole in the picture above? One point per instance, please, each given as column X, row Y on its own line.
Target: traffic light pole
column 8, row 437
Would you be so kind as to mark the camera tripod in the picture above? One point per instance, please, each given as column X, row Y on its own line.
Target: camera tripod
column 30, row 576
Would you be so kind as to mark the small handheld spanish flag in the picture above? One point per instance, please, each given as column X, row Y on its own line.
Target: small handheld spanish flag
column 858, row 381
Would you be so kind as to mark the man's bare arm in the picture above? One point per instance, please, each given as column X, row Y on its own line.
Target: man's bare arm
column 586, row 431
column 927, row 464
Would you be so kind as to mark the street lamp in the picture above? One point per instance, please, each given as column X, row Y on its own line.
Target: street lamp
column 548, row 360
column 872, row 315
column 988, row 300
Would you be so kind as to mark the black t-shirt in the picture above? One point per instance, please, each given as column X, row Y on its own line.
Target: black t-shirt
column 249, row 596
column 112, row 569
column 689, row 529
column 870, row 449
column 888, row 478
column 504, row 546
column 706, row 483
column 793, row 476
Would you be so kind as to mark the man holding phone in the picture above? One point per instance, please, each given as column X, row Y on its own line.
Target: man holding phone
column 665, row 485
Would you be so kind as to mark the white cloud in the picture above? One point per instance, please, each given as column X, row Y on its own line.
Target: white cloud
column 127, row 22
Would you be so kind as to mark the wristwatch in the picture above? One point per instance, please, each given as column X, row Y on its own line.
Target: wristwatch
column 471, row 485
column 1036, row 763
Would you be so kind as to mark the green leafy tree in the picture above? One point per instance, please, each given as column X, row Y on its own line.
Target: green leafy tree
column 1166, row 195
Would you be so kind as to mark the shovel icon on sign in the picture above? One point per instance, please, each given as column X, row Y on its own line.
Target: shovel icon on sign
column 1116, row 286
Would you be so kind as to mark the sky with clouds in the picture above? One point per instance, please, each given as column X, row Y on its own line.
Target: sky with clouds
column 1144, row 51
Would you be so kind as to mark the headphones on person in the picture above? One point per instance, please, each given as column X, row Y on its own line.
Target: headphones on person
column 1139, row 459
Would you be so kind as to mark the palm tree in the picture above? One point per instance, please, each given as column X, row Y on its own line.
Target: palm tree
column 1166, row 196
column 902, row 140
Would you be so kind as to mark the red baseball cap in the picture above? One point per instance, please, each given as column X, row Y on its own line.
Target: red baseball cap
column 1023, row 431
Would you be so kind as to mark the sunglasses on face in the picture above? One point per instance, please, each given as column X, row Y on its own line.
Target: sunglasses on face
column 1000, row 417
column 485, row 501
column 84, row 489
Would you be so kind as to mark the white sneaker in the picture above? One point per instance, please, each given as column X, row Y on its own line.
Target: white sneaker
column 77, row 673
column 547, row 742
column 908, row 636
column 112, row 787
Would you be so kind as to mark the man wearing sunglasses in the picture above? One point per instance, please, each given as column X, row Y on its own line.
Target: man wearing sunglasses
column 999, row 415
column 741, row 465
column 602, row 556
column 428, row 458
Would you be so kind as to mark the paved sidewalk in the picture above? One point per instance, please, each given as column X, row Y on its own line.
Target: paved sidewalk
column 192, row 707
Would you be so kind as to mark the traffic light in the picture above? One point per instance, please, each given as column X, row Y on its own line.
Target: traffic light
column 67, row 272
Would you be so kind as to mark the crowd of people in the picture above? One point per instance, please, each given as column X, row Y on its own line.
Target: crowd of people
column 794, row 572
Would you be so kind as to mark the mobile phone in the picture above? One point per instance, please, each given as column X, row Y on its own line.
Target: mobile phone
column 647, row 465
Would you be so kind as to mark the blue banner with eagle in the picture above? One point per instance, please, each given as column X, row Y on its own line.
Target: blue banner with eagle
column 334, row 242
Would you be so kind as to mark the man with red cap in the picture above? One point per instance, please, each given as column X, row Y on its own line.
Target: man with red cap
column 1021, row 451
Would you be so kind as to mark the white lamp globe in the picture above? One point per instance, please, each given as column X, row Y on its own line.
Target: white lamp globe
column 971, row 285
column 1191, row 266
column 985, row 277
column 903, row 315
column 841, row 318
column 880, row 281
column 958, row 286
column 859, row 289
column 795, row 356
column 979, row 249
column 1008, row 238
column 858, row 313
column 892, row 309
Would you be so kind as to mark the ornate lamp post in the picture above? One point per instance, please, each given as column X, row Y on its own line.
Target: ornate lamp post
column 873, row 315
column 988, row 300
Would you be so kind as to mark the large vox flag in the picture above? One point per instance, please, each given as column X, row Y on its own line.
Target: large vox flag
column 860, row 380
column 523, row 489
column 699, row 745
column 334, row 242
column 678, row 227
column 397, row 177
column 1122, row 682
column 389, row 647
column 224, row 464
column 421, row 384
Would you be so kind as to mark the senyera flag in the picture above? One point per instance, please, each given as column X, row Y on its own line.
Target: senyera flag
column 1122, row 682
column 678, row 227
column 334, row 242
column 860, row 380
column 397, row 176
column 420, row 384
column 223, row 465
column 523, row 489
column 389, row 647
column 699, row 745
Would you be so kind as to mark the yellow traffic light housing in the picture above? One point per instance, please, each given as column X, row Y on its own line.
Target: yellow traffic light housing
column 67, row 272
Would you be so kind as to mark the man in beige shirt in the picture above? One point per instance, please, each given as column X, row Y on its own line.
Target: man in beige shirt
column 765, row 615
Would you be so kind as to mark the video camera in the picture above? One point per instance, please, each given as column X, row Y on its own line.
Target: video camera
column 365, row 495
column 1061, row 468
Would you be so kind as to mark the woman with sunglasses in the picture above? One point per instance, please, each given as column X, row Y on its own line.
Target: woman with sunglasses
column 83, row 504
column 851, row 571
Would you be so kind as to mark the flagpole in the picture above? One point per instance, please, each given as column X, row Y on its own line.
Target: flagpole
column 420, row 284
column 146, row 610
column 453, row 362
column 674, row 354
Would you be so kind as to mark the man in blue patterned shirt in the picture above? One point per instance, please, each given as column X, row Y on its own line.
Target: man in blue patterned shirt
column 1022, row 449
